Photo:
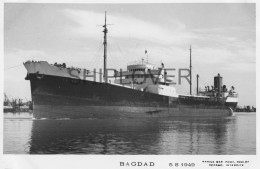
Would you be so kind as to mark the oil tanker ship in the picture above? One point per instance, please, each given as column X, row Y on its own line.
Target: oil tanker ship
column 142, row 90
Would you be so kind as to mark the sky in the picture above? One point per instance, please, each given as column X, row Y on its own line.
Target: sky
column 222, row 37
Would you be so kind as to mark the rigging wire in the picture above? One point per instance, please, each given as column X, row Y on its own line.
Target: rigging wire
column 119, row 49
column 96, row 56
column 13, row 67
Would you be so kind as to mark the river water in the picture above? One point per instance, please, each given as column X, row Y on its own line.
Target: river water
column 226, row 135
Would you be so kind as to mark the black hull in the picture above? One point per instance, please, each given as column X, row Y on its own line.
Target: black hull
column 61, row 97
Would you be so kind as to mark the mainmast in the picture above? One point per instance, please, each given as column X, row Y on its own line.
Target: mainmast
column 190, row 74
column 197, row 84
column 105, row 48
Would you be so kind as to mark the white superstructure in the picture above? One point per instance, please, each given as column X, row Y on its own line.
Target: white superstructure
column 146, row 77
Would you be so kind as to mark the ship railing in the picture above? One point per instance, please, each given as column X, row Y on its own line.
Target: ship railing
column 139, row 63
column 149, row 73
column 233, row 95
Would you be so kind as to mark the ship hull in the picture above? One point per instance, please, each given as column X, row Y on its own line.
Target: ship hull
column 62, row 97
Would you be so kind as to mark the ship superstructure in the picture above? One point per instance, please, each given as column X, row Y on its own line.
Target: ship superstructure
column 146, row 77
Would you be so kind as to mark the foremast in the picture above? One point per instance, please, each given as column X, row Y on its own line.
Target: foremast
column 190, row 73
column 105, row 48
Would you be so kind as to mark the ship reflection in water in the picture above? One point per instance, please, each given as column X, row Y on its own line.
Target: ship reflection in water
column 229, row 135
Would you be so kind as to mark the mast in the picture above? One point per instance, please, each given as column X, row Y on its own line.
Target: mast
column 105, row 48
column 197, row 84
column 190, row 74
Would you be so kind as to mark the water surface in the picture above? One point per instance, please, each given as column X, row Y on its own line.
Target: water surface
column 227, row 135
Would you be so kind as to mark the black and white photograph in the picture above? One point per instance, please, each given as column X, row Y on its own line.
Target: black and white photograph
column 145, row 79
